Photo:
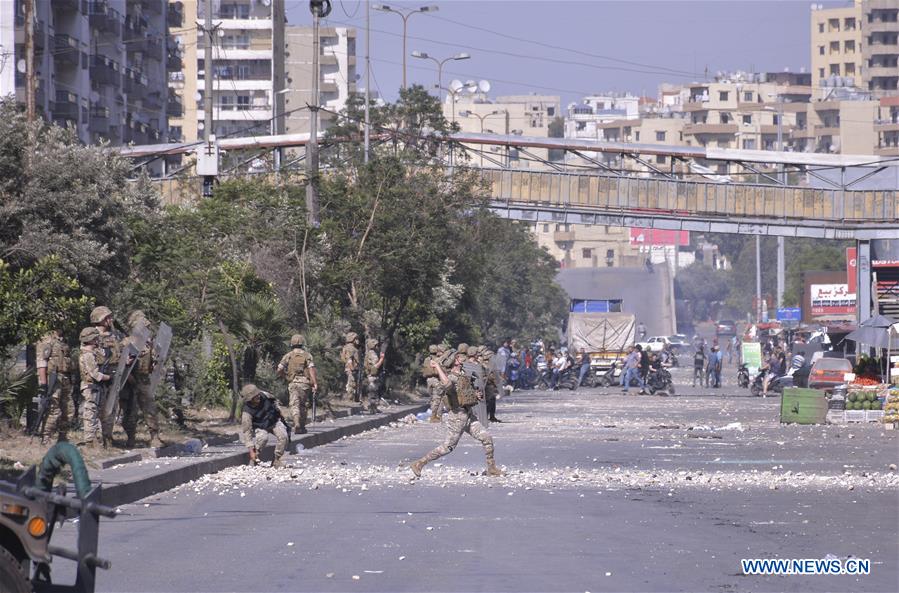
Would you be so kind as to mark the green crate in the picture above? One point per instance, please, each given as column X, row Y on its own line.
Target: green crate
column 803, row 406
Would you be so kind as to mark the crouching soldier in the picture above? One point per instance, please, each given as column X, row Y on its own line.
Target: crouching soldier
column 461, row 396
column 260, row 417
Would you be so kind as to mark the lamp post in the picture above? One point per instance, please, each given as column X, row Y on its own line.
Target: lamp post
column 783, row 181
column 482, row 118
column 424, row 56
column 405, row 16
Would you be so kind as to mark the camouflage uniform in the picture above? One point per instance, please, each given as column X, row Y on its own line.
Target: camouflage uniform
column 53, row 355
column 432, row 379
column 296, row 367
column 459, row 398
column 256, row 422
column 107, row 354
column 91, row 378
column 136, row 392
column 349, row 355
column 371, row 368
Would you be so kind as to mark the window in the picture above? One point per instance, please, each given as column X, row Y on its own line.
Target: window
column 545, row 228
column 660, row 159
column 637, row 136
column 747, row 119
column 835, row 69
column 820, row 72
column 725, row 117
column 550, row 111
column 849, row 68
column 660, row 136
column 821, row 50
column 747, row 96
column 749, row 143
column 833, row 24
column 775, row 119
column 226, row 103
column 820, row 27
column 849, row 24
column 849, row 46
column 722, row 95
column 587, row 253
column 243, row 102
column 834, row 47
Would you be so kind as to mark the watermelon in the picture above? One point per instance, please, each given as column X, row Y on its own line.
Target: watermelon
column 871, row 396
column 866, row 405
column 852, row 398
column 876, row 405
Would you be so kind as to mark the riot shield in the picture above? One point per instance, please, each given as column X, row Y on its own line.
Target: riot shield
column 479, row 380
column 132, row 348
column 161, row 344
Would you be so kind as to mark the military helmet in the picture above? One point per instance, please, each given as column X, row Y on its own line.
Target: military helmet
column 351, row 337
column 136, row 317
column 433, row 349
column 463, row 348
column 88, row 335
column 249, row 391
column 297, row 340
column 99, row 314
column 472, row 351
column 371, row 343
column 441, row 348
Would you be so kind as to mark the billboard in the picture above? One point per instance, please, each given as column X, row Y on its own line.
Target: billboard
column 832, row 299
column 641, row 236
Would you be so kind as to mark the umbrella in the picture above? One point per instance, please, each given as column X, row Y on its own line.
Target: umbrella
column 880, row 321
column 876, row 337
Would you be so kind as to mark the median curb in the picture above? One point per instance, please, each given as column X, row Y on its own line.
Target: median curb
column 159, row 479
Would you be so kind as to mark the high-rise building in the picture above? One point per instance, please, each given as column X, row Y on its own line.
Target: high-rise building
column 880, row 46
column 337, row 75
column 836, row 35
column 100, row 65
column 247, row 66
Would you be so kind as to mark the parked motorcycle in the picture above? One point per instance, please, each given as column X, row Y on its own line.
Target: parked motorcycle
column 743, row 376
column 660, row 380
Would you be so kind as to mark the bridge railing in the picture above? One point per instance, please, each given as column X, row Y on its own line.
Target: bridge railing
column 691, row 198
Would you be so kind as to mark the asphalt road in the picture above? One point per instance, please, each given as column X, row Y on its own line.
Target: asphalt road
column 605, row 492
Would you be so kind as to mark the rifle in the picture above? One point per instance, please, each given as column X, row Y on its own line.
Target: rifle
column 314, row 398
column 127, row 360
column 43, row 406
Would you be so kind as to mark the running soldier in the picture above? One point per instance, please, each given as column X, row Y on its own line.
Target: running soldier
column 261, row 416
column 461, row 396
column 136, row 395
column 298, row 369
column 91, row 380
column 372, row 367
column 349, row 356
column 54, row 385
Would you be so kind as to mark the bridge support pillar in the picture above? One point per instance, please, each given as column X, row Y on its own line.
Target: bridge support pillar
column 863, row 286
column 780, row 272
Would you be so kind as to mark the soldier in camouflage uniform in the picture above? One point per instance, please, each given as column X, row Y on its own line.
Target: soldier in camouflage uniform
column 460, row 398
column 494, row 382
column 349, row 356
column 54, row 379
column 136, row 391
column 432, row 379
column 261, row 416
column 91, row 379
column 108, row 352
column 372, row 366
column 298, row 369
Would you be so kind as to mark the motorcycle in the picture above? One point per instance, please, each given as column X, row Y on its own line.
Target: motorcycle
column 743, row 376
column 660, row 380
column 775, row 385
column 601, row 378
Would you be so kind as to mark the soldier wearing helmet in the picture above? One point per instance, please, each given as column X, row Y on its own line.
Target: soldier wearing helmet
column 298, row 369
column 349, row 355
column 54, row 377
column 432, row 379
column 91, row 379
column 136, row 396
column 372, row 366
column 261, row 416
column 108, row 353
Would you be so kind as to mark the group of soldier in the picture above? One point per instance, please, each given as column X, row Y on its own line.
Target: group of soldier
column 102, row 347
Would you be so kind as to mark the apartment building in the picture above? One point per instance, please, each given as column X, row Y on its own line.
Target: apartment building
column 859, row 42
column 100, row 65
column 337, row 80
column 589, row 246
column 836, row 39
column 527, row 115
column 247, row 66
column 886, row 127
column 586, row 119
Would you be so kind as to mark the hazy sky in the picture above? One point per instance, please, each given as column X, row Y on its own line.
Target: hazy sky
column 574, row 48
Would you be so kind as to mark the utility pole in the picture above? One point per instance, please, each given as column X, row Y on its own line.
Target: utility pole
column 30, row 86
column 367, row 76
column 783, row 183
column 758, row 278
column 319, row 9
column 207, row 73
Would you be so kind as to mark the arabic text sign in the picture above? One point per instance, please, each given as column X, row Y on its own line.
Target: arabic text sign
column 832, row 299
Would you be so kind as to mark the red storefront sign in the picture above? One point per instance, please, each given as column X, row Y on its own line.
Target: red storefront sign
column 640, row 236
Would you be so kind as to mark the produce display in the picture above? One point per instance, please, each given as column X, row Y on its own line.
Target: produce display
column 891, row 408
column 863, row 400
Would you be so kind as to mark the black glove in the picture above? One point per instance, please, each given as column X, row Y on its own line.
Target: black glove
column 42, row 390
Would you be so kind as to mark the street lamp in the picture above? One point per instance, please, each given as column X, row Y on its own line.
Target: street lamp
column 457, row 87
column 405, row 16
column 468, row 113
column 424, row 56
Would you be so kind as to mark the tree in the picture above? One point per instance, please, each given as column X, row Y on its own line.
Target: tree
column 556, row 130
column 703, row 287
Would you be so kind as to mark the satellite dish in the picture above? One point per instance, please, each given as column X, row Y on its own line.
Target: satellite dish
column 221, row 32
column 456, row 85
column 198, row 96
column 21, row 66
column 484, row 86
column 266, row 2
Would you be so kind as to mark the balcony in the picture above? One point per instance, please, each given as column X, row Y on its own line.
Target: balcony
column 887, row 150
column 152, row 6
column 696, row 105
column 174, row 59
column 887, row 125
column 152, row 101
column 135, row 27
column 104, row 18
column 135, row 82
column 65, row 107
column 174, row 107
column 105, row 70
column 328, row 87
column 231, row 112
column 563, row 236
column 803, row 132
column 703, row 128
column 99, row 118
column 175, row 15
column 883, row 71
column 66, row 49
column 827, row 130
column 884, row 26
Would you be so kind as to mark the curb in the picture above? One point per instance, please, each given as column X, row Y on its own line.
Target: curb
column 126, row 492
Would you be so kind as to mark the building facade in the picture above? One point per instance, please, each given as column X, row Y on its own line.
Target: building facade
column 880, row 47
column 100, row 65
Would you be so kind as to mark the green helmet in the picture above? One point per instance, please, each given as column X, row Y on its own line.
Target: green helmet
column 463, row 347
column 350, row 337
column 371, row 343
column 249, row 391
column 433, row 349
column 89, row 335
column 297, row 340
column 472, row 351
column 136, row 317
column 99, row 314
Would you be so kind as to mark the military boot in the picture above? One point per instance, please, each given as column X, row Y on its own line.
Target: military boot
column 492, row 470
column 107, row 442
column 435, row 418
column 416, row 466
column 155, row 441
column 131, row 442
column 277, row 463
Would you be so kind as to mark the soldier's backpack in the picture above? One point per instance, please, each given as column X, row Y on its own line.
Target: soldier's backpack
column 466, row 394
column 298, row 364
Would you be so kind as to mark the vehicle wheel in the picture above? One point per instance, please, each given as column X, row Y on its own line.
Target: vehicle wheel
column 605, row 382
column 13, row 578
column 671, row 389
column 755, row 391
